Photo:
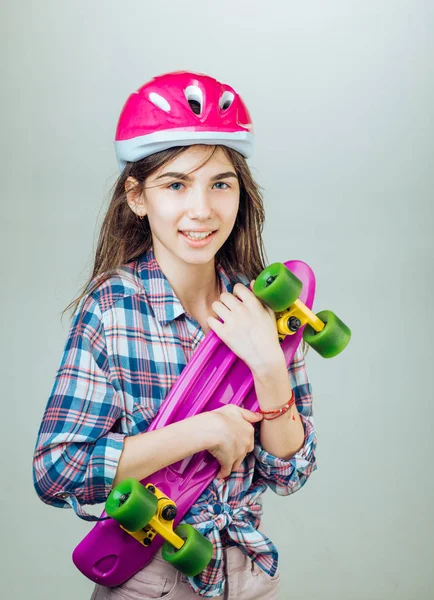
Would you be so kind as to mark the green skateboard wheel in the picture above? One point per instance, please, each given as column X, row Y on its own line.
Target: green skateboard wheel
column 131, row 504
column 277, row 287
column 332, row 339
column 194, row 555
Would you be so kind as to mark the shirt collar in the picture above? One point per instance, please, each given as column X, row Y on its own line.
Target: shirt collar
column 162, row 299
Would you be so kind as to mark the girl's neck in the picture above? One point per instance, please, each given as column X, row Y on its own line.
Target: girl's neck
column 196, row 286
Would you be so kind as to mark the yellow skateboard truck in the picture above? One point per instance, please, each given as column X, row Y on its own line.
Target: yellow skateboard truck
column 298, row 314
column 161, row 522
column 144, row 511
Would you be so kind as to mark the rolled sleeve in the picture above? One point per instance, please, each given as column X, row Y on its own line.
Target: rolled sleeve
column 79, row 443
column 287, row 476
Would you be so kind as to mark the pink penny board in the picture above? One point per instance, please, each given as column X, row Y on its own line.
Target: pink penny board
column 213, row 377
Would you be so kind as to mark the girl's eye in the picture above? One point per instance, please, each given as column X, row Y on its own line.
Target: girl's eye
column 175, row 183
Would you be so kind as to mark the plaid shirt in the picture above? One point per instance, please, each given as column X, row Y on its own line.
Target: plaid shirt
column 128, row 343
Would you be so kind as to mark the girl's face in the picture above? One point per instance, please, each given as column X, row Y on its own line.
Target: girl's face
column 182, row 206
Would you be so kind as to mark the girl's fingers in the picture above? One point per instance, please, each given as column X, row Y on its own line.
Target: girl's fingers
column 225, row 471
column 215, row 325
column 221, row 310
column 237, row 464
column 241, row 292
column 231, row 301
column 270, row 311
column 250, row 416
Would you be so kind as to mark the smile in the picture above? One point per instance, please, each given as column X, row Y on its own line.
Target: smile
column 195, row 235
column 196, row 239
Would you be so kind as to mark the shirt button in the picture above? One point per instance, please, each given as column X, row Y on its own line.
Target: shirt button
column 64, row 495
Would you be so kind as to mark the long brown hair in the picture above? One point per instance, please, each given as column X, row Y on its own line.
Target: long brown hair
column 124, row 237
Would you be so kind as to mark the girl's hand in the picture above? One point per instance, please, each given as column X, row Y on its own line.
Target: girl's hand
column 248, row 328
column 233, row 436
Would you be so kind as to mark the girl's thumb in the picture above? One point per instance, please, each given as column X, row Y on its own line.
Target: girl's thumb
column 249, row 415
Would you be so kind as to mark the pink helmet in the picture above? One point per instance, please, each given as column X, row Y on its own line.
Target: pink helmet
column 182, row 109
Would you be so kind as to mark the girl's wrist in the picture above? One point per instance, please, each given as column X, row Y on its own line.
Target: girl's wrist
column 270, row 415
column 206, row 425
column 272, row 386
column 270, row 370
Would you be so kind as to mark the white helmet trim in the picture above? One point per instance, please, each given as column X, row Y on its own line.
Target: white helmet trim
column 137, row 148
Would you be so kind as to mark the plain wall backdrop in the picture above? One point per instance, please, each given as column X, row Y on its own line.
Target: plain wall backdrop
column 342, row 97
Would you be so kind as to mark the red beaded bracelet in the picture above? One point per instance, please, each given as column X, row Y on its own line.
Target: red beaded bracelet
column 278, row 411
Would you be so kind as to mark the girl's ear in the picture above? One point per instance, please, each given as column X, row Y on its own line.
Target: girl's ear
column 134, row 197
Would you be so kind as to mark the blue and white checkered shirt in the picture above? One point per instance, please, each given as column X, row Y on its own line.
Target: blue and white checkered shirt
column 129, row 341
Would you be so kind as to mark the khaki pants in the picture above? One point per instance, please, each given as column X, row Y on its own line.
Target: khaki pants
column 244, row 581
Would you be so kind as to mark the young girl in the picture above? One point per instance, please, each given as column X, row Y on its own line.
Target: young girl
column 178, row 251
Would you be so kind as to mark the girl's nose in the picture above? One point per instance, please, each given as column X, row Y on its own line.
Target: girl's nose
column 199, row 205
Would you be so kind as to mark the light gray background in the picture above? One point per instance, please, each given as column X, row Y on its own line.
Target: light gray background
column 341, row 93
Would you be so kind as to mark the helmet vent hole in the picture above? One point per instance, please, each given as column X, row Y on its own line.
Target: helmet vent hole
column 159, row 101
column 226, row 100
column 195, row 106
column 194, row 98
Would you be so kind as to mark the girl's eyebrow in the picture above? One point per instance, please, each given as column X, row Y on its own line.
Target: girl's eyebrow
column 185, row 177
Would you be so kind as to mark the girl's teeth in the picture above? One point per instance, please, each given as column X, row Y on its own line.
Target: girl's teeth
column 197, row 236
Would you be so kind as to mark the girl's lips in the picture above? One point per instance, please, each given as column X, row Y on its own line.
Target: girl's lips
column 197, row 243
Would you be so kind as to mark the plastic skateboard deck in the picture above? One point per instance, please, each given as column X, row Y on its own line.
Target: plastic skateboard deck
column 214, row 376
